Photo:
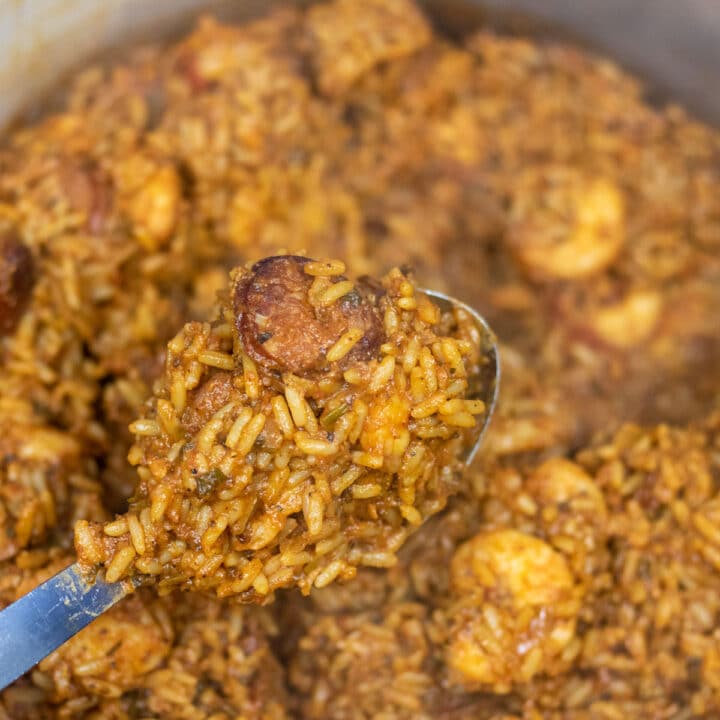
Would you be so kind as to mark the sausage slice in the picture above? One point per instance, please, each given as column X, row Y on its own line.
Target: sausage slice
column 88, row 190
column 282, row 330
column 17, row 276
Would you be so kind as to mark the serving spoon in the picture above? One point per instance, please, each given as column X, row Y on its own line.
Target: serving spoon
column 41, row 621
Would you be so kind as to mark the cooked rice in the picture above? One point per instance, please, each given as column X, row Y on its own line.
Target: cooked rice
column 335, row 485
column 618, row 538
column 531, row 179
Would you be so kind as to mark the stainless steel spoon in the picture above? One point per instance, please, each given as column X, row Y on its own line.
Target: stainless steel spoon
column 41, row 621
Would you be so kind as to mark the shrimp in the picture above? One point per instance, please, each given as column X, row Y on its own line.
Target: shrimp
column 591, row 231
column 155, row 207
column 515, row 613
column 630, row 321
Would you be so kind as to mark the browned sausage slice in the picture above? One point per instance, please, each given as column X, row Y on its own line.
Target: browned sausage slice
column 281, row 328
column 17, row 276
column 89, row 190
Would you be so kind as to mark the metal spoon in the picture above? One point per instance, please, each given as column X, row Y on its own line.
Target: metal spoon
column 487, row 384
column 41, row 621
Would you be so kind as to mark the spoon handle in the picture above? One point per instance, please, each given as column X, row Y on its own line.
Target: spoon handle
column 39, row 622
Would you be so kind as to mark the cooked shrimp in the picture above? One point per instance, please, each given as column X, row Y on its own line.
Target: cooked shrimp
column 562, row 483
column 573, row 517
column 515, row 614
column 154, row 208
column 630, row 321
column 567, row 226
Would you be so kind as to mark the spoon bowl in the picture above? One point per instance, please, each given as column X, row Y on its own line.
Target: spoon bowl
column 486, row 385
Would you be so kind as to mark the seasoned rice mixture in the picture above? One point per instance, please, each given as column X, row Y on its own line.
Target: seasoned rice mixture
column 305, row 432
column 575, row 572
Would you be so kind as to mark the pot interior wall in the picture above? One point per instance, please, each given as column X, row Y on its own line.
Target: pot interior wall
column 675, row 46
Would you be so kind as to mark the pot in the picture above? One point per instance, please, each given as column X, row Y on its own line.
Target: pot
column 674, row 45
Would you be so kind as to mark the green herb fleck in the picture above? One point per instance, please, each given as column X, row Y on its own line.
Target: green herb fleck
column 334, row 415
column 207, row 481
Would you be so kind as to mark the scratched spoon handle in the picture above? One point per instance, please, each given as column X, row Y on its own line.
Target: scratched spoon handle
column 42, row 620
